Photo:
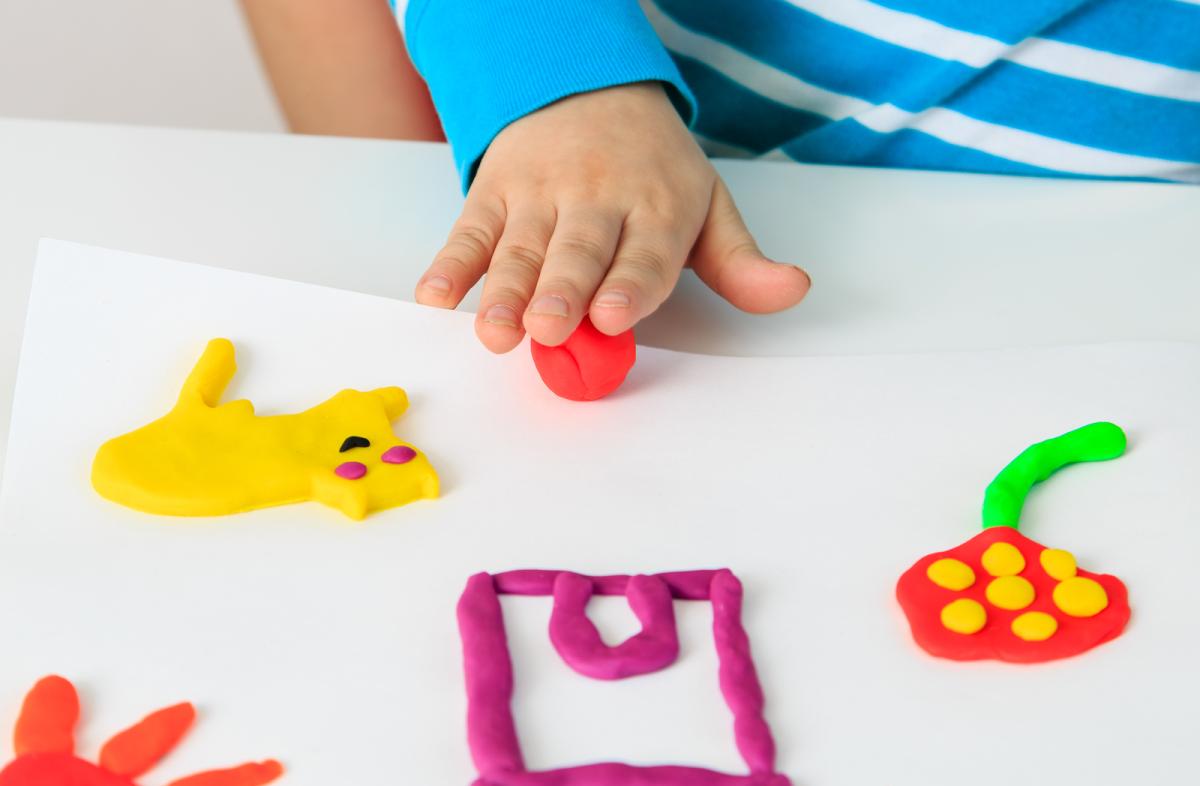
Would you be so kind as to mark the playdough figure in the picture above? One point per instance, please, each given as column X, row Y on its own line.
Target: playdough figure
column 491, row 731
column 1000, row 595
column 204, row 458
column 44, row 740
column 588, row 365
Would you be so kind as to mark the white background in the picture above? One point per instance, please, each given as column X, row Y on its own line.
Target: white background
column 187, row 63
column 332, row 644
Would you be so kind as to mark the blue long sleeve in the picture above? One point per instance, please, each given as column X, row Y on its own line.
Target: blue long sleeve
column 490, row 62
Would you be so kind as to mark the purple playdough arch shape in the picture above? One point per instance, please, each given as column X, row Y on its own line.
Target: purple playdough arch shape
column 491, row 730
column 579, row 643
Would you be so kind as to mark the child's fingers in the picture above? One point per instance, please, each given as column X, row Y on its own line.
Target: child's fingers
column 579, row 254
column 727, row 259
column 644, row 271
column 512, row 276
column 465, row 256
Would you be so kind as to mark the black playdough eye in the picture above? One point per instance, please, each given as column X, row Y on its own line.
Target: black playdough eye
column 354, row 442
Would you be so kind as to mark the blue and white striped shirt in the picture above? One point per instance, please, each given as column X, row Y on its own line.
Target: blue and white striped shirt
column 1084, row 88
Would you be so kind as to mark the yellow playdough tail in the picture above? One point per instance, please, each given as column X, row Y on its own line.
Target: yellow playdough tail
column 212, row 373
column 204, row 458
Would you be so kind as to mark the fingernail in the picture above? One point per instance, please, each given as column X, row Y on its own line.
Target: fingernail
column 612, row 299
column 551, row 306
column 439, row 284
column 501, row 314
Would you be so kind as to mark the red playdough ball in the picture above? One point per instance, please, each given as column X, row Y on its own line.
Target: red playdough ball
column 588, row 365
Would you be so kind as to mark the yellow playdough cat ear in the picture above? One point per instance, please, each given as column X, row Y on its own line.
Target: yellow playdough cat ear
column 395, row 401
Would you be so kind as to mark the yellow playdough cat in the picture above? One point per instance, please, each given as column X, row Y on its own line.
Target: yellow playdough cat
column 204, row 458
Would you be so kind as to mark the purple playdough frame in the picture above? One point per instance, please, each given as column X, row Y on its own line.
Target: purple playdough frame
column 491, row 731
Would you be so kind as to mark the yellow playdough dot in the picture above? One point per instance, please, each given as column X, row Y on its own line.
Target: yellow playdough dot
column 1003, row 559
column 1058, row 564
column 1034, row 626
column 964, row 616
column 951, row 574
column 1010, row 592
column 1080, row 597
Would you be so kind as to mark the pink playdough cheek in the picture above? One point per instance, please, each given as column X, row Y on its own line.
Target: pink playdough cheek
column 351, row 470
column 400, row 454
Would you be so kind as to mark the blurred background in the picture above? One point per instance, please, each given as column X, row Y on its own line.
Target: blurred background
column 149, row 62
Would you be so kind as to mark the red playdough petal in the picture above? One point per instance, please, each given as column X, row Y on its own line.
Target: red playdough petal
column 48, row 718
column 588, row 365
column 246, row 775
column 138, row 748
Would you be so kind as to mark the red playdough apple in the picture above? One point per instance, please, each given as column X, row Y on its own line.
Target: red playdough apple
column 588, row 365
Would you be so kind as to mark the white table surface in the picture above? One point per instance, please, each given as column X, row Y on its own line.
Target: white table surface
column 333, row 645
column 901, row 261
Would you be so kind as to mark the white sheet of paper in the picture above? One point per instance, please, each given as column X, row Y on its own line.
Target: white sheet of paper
column 332, row 645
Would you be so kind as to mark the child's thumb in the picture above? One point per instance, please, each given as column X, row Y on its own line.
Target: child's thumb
column 727, row 259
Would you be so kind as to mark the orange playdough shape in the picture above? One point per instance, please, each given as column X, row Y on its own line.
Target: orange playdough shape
column 45, row 746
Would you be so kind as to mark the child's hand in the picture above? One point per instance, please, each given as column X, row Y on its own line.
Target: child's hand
column 593, row 205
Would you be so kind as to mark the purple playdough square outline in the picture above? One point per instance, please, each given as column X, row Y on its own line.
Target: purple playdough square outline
column 491, row 730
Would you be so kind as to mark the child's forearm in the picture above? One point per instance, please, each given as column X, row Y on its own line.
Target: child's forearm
column 490, row 62
column 339, row 67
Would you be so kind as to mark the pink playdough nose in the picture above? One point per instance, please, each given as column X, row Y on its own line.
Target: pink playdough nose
column 351, row 470
column 400, row 454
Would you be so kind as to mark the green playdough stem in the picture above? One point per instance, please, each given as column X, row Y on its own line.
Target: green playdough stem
column 1005, row 496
